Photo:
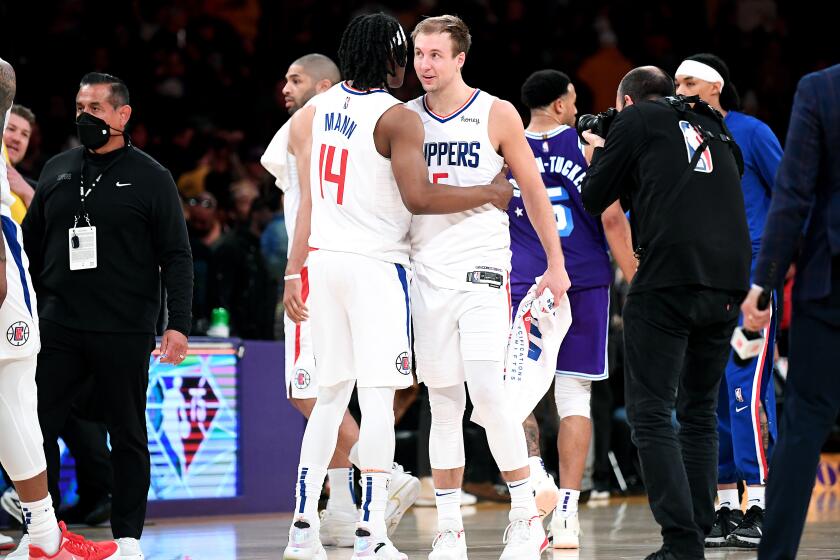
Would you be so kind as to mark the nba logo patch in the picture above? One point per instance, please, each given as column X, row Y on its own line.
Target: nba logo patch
column 739, row 395
column 347, row 102
column 693, row 139
column 403, row 364
column 302, row 379
column 18, row 333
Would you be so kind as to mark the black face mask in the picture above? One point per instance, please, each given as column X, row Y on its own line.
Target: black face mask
column 93, row 131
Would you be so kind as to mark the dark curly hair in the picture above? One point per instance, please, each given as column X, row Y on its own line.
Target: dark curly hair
column 370, row 45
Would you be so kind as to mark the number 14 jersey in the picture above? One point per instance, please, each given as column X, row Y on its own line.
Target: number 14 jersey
column 356, row 205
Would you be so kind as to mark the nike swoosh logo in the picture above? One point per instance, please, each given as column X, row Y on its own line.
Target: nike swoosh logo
column 740, row 408
column 446, row 494
column 518, row 485
column 123, row 184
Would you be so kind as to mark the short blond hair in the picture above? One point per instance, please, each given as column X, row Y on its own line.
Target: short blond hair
column 453, row 25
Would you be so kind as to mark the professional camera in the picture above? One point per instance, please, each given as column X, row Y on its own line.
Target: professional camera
column 597, row 124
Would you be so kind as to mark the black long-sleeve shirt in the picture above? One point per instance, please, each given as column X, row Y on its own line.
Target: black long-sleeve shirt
column 695, row 235
column 141, row 237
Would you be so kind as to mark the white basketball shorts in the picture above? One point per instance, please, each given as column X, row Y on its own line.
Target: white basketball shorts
column 451, row 326
column 360, row 319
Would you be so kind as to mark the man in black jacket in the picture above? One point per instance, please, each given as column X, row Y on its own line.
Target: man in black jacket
column 677, row 170
column 104, row 228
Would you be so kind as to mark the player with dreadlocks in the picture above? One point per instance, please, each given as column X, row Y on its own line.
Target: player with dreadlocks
column 359, row 155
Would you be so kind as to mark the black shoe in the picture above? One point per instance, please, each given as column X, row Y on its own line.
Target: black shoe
column 748, row 532
column 100, row 513
column 661, row 554
column 726, row 520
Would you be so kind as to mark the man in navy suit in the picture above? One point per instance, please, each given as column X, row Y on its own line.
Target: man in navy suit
column 804, row 214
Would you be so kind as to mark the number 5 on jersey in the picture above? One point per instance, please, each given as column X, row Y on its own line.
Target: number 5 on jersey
column 325, row 168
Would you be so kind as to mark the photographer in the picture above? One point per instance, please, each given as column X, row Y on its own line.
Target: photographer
column 673, row 164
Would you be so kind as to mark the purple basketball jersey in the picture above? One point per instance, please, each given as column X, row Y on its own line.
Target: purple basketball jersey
column 559, row 156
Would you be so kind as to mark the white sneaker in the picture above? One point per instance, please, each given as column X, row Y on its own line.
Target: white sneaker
column 10, row 501
column 599, row 495
column 304, row 543
column 468, row 499
column 565, row 531
column 338, row 528
column 546, row 494
column 449, row 544
column 130, row 549
column 524, row 540
column 367, row 546
column 426, row 496
column 22, row 551
column 402, row 493
column 6, row 542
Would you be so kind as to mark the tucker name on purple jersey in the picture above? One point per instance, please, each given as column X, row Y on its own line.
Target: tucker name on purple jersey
column 560, row 159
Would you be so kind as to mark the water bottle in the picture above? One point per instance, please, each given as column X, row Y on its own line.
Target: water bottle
column 219, row 323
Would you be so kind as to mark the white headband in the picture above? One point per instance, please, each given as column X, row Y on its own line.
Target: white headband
column 699, row 70
column 399, row 37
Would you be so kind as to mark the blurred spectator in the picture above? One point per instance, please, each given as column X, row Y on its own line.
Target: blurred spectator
column 602, row 70
column 243, row 193
column 275, row 239
column 205, row 231
column 16, row 139
column 244, row 286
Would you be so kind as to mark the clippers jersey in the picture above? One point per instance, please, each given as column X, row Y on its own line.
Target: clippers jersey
column 5, row 190
column 356, row 205
column 283, row 165
column 560, row 160
column 448, row 248
column 19, row 311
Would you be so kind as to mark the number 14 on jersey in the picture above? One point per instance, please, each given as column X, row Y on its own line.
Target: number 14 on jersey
column 326, row 164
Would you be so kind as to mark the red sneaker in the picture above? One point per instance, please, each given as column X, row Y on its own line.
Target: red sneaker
column 76, row 547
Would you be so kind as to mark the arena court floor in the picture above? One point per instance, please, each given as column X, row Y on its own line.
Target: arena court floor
column 621, row 529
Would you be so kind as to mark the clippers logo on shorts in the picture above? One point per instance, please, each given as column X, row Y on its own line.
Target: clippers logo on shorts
column 302, row 379
column 18, row 333
column 739, row 395
column 693, row 139
column 403, row 364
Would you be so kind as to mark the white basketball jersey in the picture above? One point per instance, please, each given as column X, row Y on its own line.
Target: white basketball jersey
column 6, row 199
column 19, row 312
column 450, row 249
column 356, row 205
column 283, row 165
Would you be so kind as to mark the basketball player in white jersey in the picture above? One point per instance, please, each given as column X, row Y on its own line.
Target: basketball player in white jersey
column 308, row 76
column 360, row 163
column 461, row 293
column 21, row 443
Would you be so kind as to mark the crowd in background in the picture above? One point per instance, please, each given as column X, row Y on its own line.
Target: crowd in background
column 206, row 79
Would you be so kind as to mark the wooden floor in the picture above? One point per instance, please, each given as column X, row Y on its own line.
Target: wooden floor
column 620, row 529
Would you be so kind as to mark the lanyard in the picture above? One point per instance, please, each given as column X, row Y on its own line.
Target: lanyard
column 85, row 193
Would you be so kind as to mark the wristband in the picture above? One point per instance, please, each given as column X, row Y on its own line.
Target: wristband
column 291, row 277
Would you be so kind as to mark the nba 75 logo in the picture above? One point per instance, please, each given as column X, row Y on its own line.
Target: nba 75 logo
column 403, row 364
column 693, row 140
column 18, row 333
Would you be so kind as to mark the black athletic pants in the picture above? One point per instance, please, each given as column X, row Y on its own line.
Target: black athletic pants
column 676, row 347
column 119, row 364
